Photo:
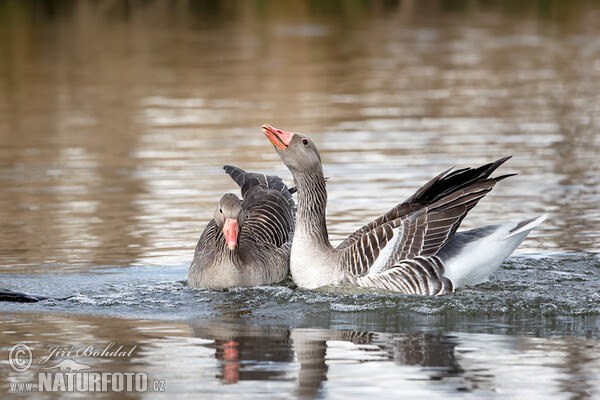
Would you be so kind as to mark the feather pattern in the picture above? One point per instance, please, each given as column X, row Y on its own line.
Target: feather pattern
column 420, row 275
column 268, row 205
column 409, row 249
column 437, row 188
column 264, row 239
column 422, row 232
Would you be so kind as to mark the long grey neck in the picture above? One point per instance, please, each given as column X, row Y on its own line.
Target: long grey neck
column 312, row 205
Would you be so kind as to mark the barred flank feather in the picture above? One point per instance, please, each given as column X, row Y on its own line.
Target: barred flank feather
column 420, row 275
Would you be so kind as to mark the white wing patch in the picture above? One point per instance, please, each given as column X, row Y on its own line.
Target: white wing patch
column 387, row 252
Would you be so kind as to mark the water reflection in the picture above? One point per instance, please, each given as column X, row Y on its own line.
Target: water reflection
column 216, row 356
column 455, row 362
column 247, row 352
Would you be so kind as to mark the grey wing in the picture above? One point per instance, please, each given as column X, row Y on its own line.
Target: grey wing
column 440, row 186
column 268, row 205
column 269, row 218
column 422, row 232
column 205, row 246
column 249, row 180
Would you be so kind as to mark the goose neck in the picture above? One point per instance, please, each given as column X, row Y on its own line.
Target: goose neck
column 312, row 206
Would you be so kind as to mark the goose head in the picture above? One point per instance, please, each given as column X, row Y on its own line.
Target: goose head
column 297, row 151
column 229, row 216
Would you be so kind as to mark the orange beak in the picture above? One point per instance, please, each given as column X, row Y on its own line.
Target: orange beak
column 278, row 137
column 231, row 230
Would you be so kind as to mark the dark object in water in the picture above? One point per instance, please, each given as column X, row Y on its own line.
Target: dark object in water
column 20, row 297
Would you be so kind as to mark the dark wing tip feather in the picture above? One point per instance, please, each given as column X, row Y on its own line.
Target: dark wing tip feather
column 499, row 178
column 237, row 174
column 450, row 182
column 249, row 180
column 447, row 186
column 230, row 169
column 491, row 167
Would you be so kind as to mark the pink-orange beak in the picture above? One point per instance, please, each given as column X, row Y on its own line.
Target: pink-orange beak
column 278, row 137
column 231, row 230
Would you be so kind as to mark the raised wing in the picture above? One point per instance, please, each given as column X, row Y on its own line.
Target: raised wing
column 423, row 227
column 250, row 180
column 438, row 187
column 268, row 206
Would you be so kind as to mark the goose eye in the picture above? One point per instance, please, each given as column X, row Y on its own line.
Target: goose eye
column 304, row 141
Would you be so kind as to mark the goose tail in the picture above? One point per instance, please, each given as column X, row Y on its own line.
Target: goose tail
column 470, row 257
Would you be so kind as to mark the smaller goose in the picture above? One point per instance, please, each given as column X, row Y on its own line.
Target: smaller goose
column 413, row 248
column 248, row 241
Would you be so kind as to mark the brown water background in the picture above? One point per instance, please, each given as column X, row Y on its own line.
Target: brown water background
column 115, row 120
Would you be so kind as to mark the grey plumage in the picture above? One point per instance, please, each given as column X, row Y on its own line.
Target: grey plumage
column 417, row 230
column 413, row 248
column 425, row 222
column 266, row 228
column 419, row 275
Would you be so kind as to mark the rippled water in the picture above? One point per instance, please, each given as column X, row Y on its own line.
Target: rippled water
column 115, row 120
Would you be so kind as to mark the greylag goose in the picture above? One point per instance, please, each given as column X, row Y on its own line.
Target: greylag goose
column 248, row 241
column 413, row 248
